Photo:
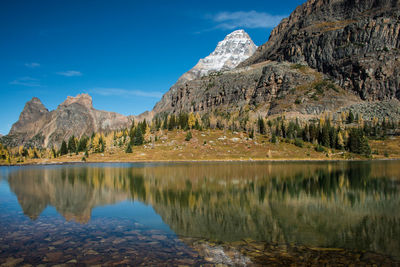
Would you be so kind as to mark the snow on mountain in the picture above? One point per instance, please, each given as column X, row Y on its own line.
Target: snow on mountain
column 235, row 48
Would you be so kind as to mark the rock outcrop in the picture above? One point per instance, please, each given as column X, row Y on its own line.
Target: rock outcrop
column 268, row 88
column 355, row 42
column 75, row 116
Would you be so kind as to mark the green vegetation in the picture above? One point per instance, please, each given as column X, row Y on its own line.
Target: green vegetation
column 345, row 137
column 188, row 136
column 128, row 149
column 63, row 149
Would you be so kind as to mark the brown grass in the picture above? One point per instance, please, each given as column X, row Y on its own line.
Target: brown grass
column 220, row 146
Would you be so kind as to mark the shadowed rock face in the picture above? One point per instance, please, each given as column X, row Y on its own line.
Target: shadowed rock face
column 75, row 116
column 32, row 118
column 356, row 42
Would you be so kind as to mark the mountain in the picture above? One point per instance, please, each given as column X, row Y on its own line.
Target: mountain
column 328, row 56
column 354, row 42
column 235, row 48
column 75, row 116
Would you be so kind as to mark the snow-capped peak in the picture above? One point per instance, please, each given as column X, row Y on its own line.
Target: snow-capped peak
column 235, row 48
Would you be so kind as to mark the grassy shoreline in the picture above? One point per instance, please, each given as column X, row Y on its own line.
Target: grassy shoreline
column 218, row 146
column 45, row 163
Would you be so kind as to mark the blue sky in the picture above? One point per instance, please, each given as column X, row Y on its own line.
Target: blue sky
column 125, row 54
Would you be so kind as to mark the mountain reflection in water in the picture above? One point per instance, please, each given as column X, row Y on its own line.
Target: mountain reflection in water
column 349, row 204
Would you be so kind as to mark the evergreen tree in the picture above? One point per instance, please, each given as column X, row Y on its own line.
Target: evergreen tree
column 350, row 118
column 54, row 152
column 128, row 149
column 82, row 144
column 325, row 140
column 273, row 139
column 188, row 136
column 63, row 149
column 261, row 125
column 283, row 130
column 358, row 143
column 138, row 138
column 165, row 123
column 71, row 144
column 171, row 122
column 102, row 144
column 306, row 134
column 251, row 134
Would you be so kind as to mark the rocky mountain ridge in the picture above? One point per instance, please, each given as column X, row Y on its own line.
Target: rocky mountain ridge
column 354, row 42
column 348, row 46
column 75, row 116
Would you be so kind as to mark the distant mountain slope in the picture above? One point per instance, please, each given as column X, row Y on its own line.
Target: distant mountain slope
column 235, row 48
column 75, row 116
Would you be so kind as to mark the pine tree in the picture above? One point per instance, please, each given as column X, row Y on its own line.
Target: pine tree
column 138, row 138
column 188, row 136
column 82, row 144
column 63, row 149
column 54, row 152
column 261, row 125
column 325, row 140
column 165, row 123
column 71, row 144
column 273, row 139
column 171, row 122
column 128, row 149
column 350, row 118
column 358, row 143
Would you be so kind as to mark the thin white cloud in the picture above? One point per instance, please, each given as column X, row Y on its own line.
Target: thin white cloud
column 245, row 19
column 70, row 73
column 124, row 92
column 26, row 81
column 32, row 65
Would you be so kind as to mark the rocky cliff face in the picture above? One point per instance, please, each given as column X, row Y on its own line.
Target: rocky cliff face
column 328, row 54
column 355, row 42
column 234, row 49
column 268, row 88
column 75, row 116
column 32, row 118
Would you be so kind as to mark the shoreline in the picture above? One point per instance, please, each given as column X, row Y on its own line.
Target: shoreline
column 51, row 163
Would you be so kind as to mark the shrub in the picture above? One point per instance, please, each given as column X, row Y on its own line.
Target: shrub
column 128, row 149
column 273, row 139
column 188, row 136
column 319, row 148
column 298, row 142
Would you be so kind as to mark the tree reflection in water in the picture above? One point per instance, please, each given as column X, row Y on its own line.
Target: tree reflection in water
column 345, row 204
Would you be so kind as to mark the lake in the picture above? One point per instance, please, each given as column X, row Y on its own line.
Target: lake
column 240, row 213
